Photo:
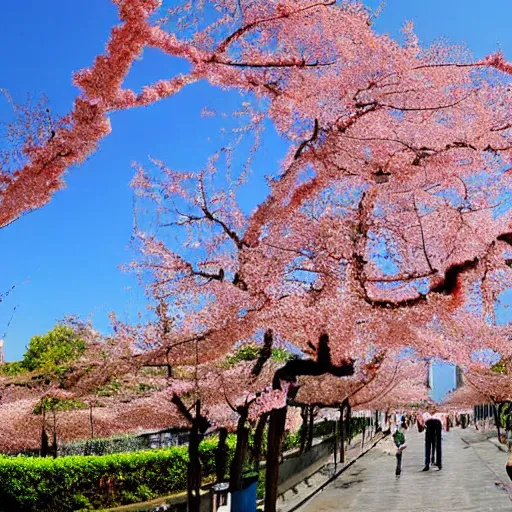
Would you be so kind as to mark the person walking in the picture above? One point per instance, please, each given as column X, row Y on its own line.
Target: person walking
column 508, row 467
column 399, row 439
column 433, row 436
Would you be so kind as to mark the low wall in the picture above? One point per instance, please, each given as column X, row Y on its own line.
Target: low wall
column 176, row 503
column 291, row 470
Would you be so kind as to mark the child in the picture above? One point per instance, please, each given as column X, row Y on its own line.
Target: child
column 399, row 439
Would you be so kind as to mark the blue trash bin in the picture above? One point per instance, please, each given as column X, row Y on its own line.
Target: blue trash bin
column 244, row 500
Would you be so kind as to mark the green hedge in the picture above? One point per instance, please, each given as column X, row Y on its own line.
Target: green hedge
column 30, row 484
column 71, row 483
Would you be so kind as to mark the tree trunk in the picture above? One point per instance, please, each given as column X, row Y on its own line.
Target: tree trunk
column 348, row 422
column 497, row 417
column 304, row 428
column 221, row 456
column 54, row 445
column 335, row 453
column 309, row 443
column 289, row 373
column 194, row 465
column 242, row 438
column 44, row 437
column 275, row 436
column 343, row 432
column 91, row 421
column 199, row 425
column 258, row 440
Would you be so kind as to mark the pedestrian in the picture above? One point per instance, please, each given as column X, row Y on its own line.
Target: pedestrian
column 399, row 439
column 509, row 466
column 433, row 430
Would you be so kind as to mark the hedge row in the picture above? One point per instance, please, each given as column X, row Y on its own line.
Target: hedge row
column 29, row 484
column 72, row 483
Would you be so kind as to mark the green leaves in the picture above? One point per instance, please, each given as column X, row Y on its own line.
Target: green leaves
column 251, row 352
column 52, row 351
column 32, row 484
column 59, row 404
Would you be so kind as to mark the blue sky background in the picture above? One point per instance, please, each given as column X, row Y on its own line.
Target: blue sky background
column 64, row 258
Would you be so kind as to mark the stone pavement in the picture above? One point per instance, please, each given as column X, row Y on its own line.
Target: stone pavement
column 473, row 479
column 291, row 499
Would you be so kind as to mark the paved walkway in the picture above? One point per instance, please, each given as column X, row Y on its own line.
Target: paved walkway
column 473, row 479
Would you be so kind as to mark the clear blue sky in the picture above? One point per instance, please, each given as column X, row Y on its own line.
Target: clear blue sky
column 64, row 258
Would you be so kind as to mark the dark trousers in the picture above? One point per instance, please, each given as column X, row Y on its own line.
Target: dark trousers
column 433, row 452
column 398, row 463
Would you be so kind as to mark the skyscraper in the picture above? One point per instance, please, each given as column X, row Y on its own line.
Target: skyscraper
column 430, row 376
column 458, row 377
column 2, row 357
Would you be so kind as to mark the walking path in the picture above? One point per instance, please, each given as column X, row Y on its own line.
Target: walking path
column 473, row 479
column 299, row 493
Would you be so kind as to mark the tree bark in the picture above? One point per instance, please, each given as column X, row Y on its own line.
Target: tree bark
column 91, row 421
column 199, row 425
column 275, row 437
column 289, row 373
column 348, row 422
column 242, row 439
column 336, row 435
column 304, row 428
column 309, row 443
column 496, row 408
column 343, row 431
column 194, row 465
column 258, row 440
column 45, row 448
column 221, row 456
column 54, row 445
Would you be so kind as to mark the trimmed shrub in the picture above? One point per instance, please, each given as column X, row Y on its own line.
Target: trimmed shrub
column 30, row 484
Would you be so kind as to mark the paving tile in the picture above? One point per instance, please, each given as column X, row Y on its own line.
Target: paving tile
column 473, row 479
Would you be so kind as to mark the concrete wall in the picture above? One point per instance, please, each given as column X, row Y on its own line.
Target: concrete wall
column 297, row 467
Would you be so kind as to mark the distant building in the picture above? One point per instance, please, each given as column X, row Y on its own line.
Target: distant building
column 430, row 376
column 2, row 357
column 458, row 377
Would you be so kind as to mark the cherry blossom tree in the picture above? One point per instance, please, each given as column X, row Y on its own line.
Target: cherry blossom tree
column 386, row 225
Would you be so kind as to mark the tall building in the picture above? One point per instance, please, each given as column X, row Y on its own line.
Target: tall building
column 430, row 376
column 458, row 377
column 2, row 357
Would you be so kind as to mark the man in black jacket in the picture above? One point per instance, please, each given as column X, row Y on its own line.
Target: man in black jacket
column 433, row 429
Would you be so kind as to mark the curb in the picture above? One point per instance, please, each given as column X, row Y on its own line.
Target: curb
column 498, row 445
column 335, row 476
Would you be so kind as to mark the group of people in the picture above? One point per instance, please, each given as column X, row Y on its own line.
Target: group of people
column 432, row 423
